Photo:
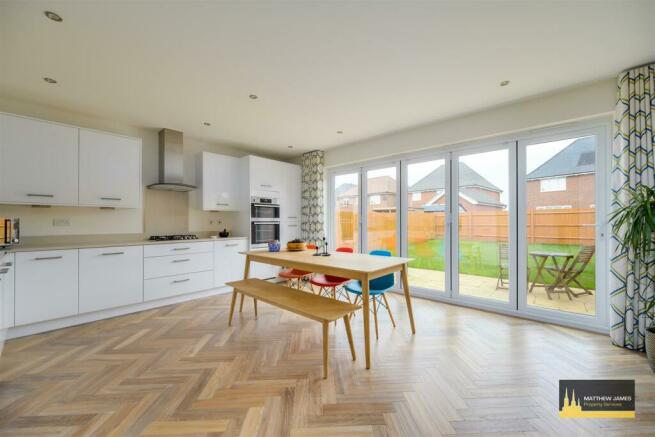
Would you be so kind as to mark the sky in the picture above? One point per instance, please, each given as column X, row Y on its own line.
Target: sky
column 493, row 165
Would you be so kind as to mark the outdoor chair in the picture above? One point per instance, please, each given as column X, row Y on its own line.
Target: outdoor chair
column 503, row 264
column 568, row 276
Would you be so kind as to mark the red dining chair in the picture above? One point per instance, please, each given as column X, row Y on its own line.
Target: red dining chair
column 331, row 283
column 291, row 275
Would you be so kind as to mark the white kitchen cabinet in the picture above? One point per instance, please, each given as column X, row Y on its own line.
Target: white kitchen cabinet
column 177, row 248
column 290, row 199
column 265, row 174
column 168, row 286
column 46, row 285
column 159, row 266
column 7, row 268
column 228, row 262
column 220, row 181
column 110, row 277
column 38, row 162
column 110, row 170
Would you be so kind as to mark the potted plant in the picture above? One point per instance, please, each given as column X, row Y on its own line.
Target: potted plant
column 634, row 225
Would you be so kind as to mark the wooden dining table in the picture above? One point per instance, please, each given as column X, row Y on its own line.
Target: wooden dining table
column 359, row 266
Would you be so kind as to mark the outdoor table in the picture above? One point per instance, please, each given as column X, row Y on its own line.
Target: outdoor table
column 540, row 259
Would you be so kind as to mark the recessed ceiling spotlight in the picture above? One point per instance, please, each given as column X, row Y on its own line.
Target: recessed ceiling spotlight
column 504, row 83
column 253, row 97
column 339, row 132
column 49, row 80
column 53, row 16
column 206, row 123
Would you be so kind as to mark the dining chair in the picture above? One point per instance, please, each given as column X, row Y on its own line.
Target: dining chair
column 503, row 264
column 376, row 289
column 331, row 286
column 291, row 275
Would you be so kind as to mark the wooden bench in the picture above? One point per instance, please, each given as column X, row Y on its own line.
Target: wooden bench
column 319, row 308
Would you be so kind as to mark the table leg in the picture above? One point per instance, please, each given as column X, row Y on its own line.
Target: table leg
column 326, row 325
column 541, row 262
column 408, row 299
column 367, row 321
column 246, row 273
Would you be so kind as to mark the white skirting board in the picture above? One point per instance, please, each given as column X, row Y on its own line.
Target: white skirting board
column 51, row 325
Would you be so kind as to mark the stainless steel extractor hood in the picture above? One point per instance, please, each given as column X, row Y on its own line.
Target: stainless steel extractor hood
column 171, row 162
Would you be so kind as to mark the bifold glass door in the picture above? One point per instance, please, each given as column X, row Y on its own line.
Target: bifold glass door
column 517, row 225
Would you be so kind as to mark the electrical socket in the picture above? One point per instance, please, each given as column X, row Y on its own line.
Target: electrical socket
column 61, row 222
column 215, row 222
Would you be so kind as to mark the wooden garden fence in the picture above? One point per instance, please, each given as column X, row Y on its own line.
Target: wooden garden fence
column 565, row 226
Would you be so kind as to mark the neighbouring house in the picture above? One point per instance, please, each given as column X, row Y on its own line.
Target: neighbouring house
column 381, row 194
column 566, row 180
column 475, row 192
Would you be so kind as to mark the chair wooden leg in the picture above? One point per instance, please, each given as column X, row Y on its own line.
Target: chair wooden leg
column 346, row 321
column 375, row 316
column 241, row 304
column 386, row 303
column 255, row 302
column 232, row 305
column 326, row 326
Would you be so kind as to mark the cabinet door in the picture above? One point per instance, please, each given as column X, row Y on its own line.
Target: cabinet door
column 7, row 268
column 110, row 277
column 110, row 170
column 38, row 162
column 228, row 262
column 221, row 182
column 265, row 174
column 46, row 285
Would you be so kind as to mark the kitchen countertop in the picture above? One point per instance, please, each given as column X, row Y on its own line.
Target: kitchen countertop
column 31, row 244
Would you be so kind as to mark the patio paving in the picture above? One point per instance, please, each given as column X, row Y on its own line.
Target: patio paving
column 485, row 287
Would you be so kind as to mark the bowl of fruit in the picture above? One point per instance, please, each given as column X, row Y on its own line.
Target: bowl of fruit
column 296, row 245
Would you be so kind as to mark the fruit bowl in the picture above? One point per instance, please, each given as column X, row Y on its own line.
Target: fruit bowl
column 296, row 246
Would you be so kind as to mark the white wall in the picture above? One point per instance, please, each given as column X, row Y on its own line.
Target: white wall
column 165, row 214
column 568, row 105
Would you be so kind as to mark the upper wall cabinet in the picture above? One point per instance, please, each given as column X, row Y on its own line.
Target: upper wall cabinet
column 38, row 162
column 265, row 174
column 53, row 164
column 110, row 170
column 220, row 180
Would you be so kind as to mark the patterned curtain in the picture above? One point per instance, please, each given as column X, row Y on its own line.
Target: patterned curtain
column 312, row 222
column 633, row 160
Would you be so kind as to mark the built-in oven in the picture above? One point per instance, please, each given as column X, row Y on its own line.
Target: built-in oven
column 263, row 231
column 264, row 208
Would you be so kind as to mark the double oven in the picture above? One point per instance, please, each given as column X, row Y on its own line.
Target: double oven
column 264, row 220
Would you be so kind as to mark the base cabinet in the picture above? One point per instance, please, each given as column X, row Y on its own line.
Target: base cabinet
column 46, row 285
column 110, row 277
column 228, row 262
column 159, row 288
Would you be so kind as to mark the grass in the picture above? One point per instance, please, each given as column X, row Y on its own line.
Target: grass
column 480, row 258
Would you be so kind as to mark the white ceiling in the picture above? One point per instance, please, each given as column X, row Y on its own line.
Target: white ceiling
column 361, row 67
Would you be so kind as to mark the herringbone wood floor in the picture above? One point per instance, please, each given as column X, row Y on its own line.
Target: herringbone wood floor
column 180, row 370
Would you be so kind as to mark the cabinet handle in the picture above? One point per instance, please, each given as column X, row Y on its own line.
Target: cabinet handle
column 265, row 185
column 113, row 253
column 222, row 204
column 181, row 248
column 111, row 198
column 39, row 195
column 177, row 281
column 292, row 226
column 180, row 260
column 43, row 258
column 294, row 217
column 3, row 271
column 231, row 245
column 8, row 264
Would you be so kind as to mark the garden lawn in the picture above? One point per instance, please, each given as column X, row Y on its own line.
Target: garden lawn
column 480, row 258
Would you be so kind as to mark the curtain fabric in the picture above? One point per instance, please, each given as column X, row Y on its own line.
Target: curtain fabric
column 633, row 160
column 312, row 221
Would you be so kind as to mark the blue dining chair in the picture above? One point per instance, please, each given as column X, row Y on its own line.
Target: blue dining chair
column 376, row 289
